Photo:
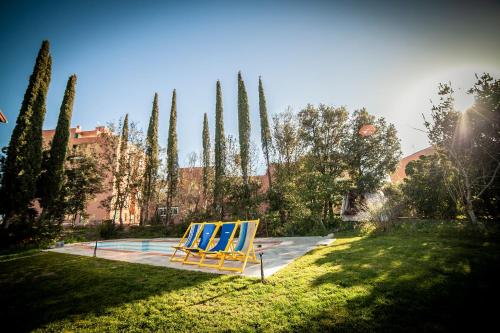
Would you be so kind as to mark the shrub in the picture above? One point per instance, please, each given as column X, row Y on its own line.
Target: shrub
column 106, row 229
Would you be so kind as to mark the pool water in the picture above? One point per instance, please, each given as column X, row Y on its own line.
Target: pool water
column 138, row 246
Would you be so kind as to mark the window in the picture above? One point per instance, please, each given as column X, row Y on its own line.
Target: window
column 162, row 211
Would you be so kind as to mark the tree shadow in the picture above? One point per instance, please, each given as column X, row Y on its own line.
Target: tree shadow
column 53, row 287
column 417, row 285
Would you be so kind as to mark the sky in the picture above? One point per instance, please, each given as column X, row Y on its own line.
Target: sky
column 383, row 55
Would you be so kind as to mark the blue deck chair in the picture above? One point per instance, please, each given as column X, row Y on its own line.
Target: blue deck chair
column 228, row 230
column 205, row 240
column 244, row 250
column 187, row 240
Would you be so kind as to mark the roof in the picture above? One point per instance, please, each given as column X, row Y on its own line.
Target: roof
column 400, row 173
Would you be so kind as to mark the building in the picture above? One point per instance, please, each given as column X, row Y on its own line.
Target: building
column 92, row 142
column 400, row 173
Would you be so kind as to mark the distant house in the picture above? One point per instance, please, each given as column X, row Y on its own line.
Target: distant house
column 400, row 173
column 90, row 141
column 350, row 212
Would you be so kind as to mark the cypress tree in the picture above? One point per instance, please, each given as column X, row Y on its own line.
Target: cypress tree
column 54, row 176
column 151, row 162
column 121, row 174
column 24, row 153
column 220, row 153
column 243, row 128
column 265, row 132
column 206, row 156
column 172, row 156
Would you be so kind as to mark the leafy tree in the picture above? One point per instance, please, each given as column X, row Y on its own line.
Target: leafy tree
column 220, row 154
column 323, row 131
column 172, row 157
column 83, row 181
column 243, row 128
column 469, row 142
column 371, row 158
column 24, row 154
column 151, row 163
column 425, row 189
column 53, row 178
column 286, row 154
column 265, row 132
column 206, row 159
column 239, row 197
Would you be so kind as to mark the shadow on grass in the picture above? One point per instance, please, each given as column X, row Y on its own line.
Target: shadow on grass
column 415, row 284
column 51, row 287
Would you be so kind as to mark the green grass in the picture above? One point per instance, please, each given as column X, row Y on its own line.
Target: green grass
column 422, row 277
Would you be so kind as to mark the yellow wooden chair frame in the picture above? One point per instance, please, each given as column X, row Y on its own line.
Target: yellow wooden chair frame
column 248, row 256
column 182, row 241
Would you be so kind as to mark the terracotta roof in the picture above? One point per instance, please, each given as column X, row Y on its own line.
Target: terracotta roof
column 400, row 172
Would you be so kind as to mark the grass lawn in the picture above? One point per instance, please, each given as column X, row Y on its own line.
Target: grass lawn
column 429, row 277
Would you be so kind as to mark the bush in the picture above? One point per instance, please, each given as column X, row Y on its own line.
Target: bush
column 106, row 229
column 380, row 211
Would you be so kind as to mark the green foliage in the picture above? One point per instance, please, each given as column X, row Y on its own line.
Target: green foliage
column 53, row 178
column 83, row 181
column 24, row 155
column 206, row 158
column 468, row 142
column 265, row 132
column 120, row 173
column 419, row 277
column 220, row 154
column 370, row 158
column 151, row 163
column 106, row 229
column 243, row 128
column 425, row 189
column 172, row 156
column 322, row 131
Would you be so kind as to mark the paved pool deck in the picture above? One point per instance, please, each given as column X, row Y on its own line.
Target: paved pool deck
column 278, row 252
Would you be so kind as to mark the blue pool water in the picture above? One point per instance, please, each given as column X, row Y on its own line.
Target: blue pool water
column 140, row 246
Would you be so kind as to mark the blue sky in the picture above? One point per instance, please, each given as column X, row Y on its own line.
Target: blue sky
column 384, row 56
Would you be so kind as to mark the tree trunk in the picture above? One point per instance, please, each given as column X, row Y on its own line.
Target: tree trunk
column 468, row 201
column 121, row 216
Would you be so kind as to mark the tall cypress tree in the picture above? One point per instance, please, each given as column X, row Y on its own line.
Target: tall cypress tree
column 172, row 156
column 24, row 154
column 265, row 132
column 220, row 153
column 121, row 174
column 206, row 156
column 54, row 177
column 243, row 128
column 151, row 162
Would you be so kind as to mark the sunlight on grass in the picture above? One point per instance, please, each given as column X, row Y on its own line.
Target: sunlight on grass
column 362, row 283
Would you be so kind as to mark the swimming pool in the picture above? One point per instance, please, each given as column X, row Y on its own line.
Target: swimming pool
column 164, row 247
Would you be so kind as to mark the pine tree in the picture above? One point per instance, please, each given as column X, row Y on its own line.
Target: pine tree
column 172, row 157
column 206, row 157
column 24, row 154
column 220, row 153
column 121, row 174
column 54, row 177
column 151, row 164
column 265, row 132
column 243, row 128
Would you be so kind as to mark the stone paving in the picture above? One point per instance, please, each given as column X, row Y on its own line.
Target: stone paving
column 278, row 252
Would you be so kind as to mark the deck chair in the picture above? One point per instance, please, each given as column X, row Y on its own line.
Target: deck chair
column 228, row 230
column 187, row 240
column 244, row 250
column 205, row 240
